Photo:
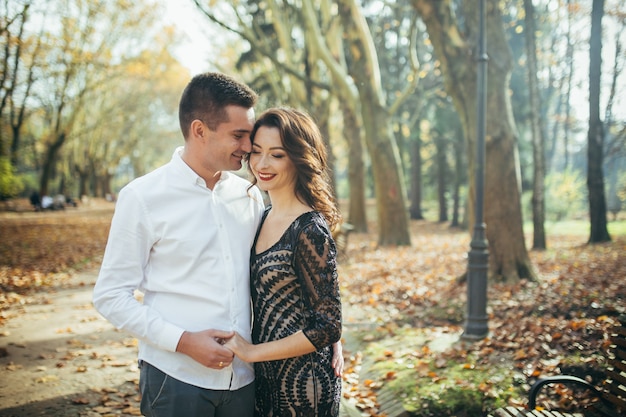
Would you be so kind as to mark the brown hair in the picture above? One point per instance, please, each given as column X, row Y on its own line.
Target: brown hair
column 303, row 143
column 206, row 97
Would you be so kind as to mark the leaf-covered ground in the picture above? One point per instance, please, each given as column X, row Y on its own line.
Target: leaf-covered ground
column 404, row 310
column 555, row 325
column 40, row 250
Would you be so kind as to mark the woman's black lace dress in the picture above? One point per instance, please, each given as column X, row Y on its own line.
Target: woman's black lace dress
column 294, row 287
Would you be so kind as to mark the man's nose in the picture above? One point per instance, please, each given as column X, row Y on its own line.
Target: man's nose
column 246, row 144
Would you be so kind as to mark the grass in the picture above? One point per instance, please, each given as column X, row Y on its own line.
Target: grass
column 577, row 228
column 430, row 382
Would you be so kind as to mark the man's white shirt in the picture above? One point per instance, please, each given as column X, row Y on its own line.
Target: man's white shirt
column 187, row 249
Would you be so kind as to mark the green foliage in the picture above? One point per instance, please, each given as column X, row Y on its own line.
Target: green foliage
column 10, row 184
column 616, row 196
column 435, row 382
column 621, row 190
column 565, row 195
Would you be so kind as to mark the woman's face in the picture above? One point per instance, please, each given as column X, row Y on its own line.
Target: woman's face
column 270, row 163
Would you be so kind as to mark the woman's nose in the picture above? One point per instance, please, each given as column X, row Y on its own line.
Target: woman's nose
column 262, row 163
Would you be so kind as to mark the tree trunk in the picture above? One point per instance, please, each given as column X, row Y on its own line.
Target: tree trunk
column 570, row 80
column 442, row 168
column 538, row 200
column 508, row 256
column 82, row 184
column 49, row 162
column 393, row 223
column 415, row 145
column 325, row 131
column 458, row 177
column 356, row 172
column 595, row 137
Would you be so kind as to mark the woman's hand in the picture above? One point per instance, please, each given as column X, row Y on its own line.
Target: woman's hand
column 338, row 358
column 241, row 347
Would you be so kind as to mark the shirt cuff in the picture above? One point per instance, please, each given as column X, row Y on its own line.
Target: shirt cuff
column 169, row 337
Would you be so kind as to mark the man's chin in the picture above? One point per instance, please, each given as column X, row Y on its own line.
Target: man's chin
column 236, row 166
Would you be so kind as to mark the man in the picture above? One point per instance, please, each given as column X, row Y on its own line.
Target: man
column 182, row 235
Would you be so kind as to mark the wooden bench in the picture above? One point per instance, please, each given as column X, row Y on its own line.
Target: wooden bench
column 611, row 395
column 340, row 235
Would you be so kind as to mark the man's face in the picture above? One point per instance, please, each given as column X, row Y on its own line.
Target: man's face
column 226, row 147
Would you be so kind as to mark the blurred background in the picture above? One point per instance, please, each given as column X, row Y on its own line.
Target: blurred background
column 89, row 93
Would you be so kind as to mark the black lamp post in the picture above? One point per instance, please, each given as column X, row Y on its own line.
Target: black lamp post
column 476, row 324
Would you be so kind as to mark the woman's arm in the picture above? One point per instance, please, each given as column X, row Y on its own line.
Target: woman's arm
column 315, row 264
column 291, row 346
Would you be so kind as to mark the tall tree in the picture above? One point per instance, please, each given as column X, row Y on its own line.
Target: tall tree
column 353, row 78
column 388, row 184
column 508, row 256
column 538, row 200
column 595, row 136
column 285, row 44
column 19, row 50
column 92, row 36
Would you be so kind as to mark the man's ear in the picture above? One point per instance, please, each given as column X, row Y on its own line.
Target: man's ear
column 197, row 129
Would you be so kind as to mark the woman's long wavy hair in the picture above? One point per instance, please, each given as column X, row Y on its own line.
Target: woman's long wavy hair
column 305, row 147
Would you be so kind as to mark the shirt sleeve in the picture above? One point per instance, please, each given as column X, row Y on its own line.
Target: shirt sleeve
column 122, row 271
column 315, row 262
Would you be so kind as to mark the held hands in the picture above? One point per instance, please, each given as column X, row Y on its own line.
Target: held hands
column 207, row 347
column 248, row 352
column 241, row 347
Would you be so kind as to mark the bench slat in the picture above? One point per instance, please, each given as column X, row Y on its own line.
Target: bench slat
column 616, row 377
column 616, row 396
column 509, row 412
column 617, row 364
column 619, row 330
column 621, row 343
column 520, row 412
column 620, row 353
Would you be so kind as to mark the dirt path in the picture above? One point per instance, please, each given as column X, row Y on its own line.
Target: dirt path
column 59, row 357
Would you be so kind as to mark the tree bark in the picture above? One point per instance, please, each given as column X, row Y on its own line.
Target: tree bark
column 49, row 162
column 458, row 177
column 391, row 210
column 442, row 169
column 508, row 256
column 595, row 138
column 415, row 144
column 356, row 172
column 538, row 198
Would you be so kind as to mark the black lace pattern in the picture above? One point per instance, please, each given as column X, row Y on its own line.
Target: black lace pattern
column 294, row 287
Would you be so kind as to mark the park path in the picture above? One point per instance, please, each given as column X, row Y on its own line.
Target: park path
column 60, row 358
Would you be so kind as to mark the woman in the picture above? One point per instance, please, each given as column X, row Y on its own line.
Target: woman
column 293, row 281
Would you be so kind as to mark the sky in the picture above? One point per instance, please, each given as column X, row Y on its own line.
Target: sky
column 195, row 49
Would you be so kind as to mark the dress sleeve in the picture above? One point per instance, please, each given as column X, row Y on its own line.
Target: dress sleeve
column 315, row 263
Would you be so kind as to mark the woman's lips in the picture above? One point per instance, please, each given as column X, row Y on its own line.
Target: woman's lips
column 265, row 177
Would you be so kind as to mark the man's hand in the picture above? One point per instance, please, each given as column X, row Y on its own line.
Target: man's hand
column 207, row 347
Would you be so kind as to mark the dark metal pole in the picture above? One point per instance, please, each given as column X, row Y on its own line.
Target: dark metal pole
column 476, row 325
